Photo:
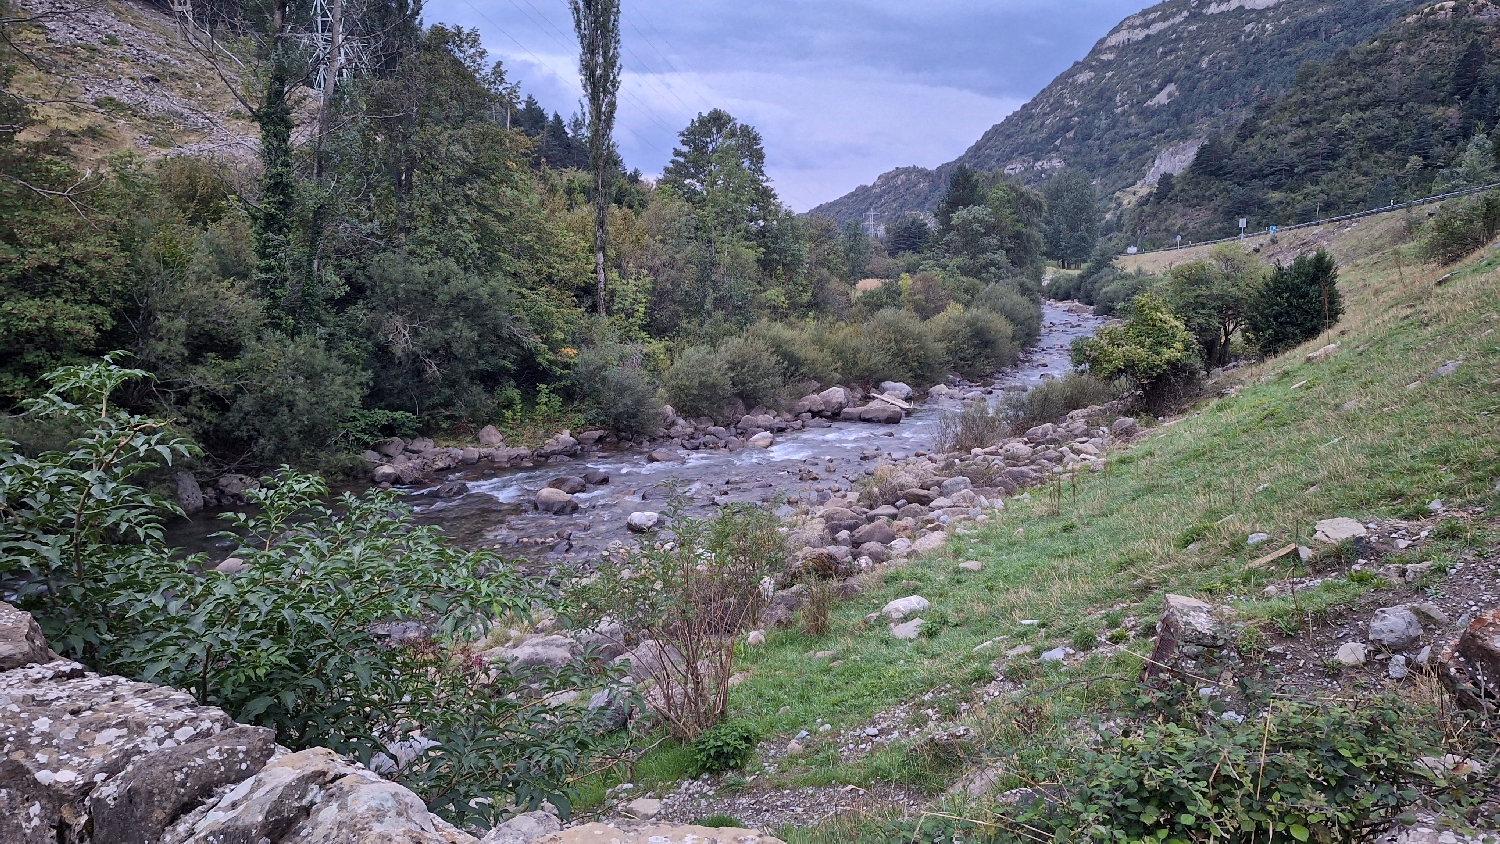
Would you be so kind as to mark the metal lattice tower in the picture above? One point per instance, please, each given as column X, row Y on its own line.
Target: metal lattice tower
column 353, row 53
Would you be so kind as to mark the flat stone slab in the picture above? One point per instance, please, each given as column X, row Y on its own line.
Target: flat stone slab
column 1334, row 531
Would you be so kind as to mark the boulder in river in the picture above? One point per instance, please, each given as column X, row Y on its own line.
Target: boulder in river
column 644, row 521
column 835, row 399
column 764, row 439
column 880, row 412
column 896, row 388
column 390, row 447
column 189, row 494
column 569, row 484
column 555, row 501
column 662, row 455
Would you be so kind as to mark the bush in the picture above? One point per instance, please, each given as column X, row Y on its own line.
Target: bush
column 685, row 598
column 857, row 358
column 1023, row 312
column 1301, row 772
column 926, row 295
column 1153, row 349
column 1460, row 228
column 698, row 383
column 612, row 383
column 755, row 372
column 817, row 614
column 1117, row 290
column 1055, row 398
column 976, row 343
column 1296, row 304
column 727, row 747
column 976, row 426
column 799, row 348
column 293, row 398
column 908, row 351
column 291, row 642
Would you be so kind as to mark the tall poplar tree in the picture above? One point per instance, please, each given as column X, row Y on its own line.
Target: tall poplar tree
column 597, row 23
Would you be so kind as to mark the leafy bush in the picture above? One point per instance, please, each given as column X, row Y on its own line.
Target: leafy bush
column 1023, row 312
column 1460, row 228
column 698, row 383
column 611, row 381
column 976, row 343
column 720, row 822
column 1296, row 304
column 292, row 398
column 857, row 358
column 684, row 598
column 926, row 295
column 292, row 641
column 1055, row 398
column 755, row 372
column 799, row 348
column 907, row 348
column 1301, row 771
column 1152, row 349
column 727, row 747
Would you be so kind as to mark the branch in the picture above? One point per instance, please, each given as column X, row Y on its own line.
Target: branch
column 69, row 195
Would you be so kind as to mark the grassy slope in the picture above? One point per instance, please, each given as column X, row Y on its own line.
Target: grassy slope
column 1301, row 442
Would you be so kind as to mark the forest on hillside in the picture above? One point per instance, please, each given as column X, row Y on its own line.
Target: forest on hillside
column 414, row 252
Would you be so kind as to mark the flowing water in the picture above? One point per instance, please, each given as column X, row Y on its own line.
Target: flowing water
column 802, row 467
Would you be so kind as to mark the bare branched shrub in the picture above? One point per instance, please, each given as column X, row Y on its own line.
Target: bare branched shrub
column 817, row 613
column 683, row 599
column 977, row 426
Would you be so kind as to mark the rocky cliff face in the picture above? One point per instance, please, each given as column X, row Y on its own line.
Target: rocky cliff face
column 1161, row 81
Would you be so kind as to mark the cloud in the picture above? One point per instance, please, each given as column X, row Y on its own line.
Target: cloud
column 841, row 90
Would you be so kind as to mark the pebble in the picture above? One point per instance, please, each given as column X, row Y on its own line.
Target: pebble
column 1351, row 654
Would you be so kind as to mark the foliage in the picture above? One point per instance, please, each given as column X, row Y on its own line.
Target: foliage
column 1073, row 218
column 1149, row 349
column 909, row 233
column 292, row 641
column 1023, row 312
column 1296, row 304
column 728, row 746
column 1055, row 398
column 755, row 372
column 612, row 383
column 1214, row 297
column 800, row 350
column 685, row 598
column 1299, row 771
column 1459, row 228
column 597, row 24
column 978, row 425
column 906, row 347
column 698, row 383
column 976, row 343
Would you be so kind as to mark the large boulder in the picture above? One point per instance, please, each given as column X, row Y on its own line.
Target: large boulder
column 389, row 447
column 555, row 501
column 523, row 828
column 902, row 607
column 490, row 437
column 809, row 404
column 21, row 640
column 896, row 388
column 835, row 399
column 877, row 531
column 764, row 439
column 189, row 494
column 1187, row 627
column 561, row 445
column 644, row 521
column 536, row 650
column 880, row 412
column 569, row 484
column 841, row 519
column 1395, row 628
column 1470, row 665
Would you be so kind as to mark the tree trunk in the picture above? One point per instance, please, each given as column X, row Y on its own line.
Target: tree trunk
column 601, row 219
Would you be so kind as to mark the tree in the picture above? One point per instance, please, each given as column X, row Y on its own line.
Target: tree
column 1296, row 304
column 1213, row 298
column 720, row 170
column 597, row 23
column 1152, row 348
column 910, row 234
column 965, row 188
column 1072, row 222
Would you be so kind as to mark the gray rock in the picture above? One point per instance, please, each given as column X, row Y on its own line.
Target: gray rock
column 189, row 494
column 1334, row 531
column 1395, row 628
column 896, row 388
column 908, row 630
column 561, row 444
column 835, row 399
column 555, row 501
column 881, row 413
column 1351, row 654
column 1396, row 668
column 875, row 551
column 390, row 447
column 569, row 484
column 762, row 440
column 662, row 455
column 136, row 806
column 1124, row 426
column 522, row 829
column 1447, row 369
column 595, row 477
column 643, row 808
column 420, row 444
column 1057, row 654
column 613, row 708
column 490, row 437
column 536, row 650
column 953, row 486
column 1257, row 538
column 971, row 565
column 878, row 531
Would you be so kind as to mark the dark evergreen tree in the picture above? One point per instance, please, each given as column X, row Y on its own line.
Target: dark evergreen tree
column 965, row 188
column 1072, row 221
column 910, row 233
column 1468, row 70
column 1296, row 304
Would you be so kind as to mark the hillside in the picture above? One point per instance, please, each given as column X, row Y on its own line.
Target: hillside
column 1147, row 95
column 1402, row 117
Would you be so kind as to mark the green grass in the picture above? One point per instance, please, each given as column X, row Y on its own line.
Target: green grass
column 1301, row 442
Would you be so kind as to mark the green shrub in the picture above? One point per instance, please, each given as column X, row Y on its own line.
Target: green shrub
column 1055, row 398
column 1152, row 349
column 858, row 359
column 976, row 343
column 1300, row 772
column 720, row 822
column 977, row 426
column 291, row 642
column 803, row 354
column 612, row 383
column 926, row 295
column 1295, row 304
column 1460, row 228
column 755, row 371
column 698, row 383
column 727, row 747
column 888, row 294
column 293, row 398
column 908, row 350
column 1023, row 312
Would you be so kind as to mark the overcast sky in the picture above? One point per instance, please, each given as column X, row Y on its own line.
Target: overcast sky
column 841, row 90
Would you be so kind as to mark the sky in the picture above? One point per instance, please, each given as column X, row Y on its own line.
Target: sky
column 841, row 90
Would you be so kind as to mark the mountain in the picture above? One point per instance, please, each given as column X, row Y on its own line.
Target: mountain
column 1407, row 115
column 1147, row 95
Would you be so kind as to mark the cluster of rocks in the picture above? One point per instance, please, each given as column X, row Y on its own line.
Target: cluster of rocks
column 398, row 461
column 911, row 505
column 87, row 757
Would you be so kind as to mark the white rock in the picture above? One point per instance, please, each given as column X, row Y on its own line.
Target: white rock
column 644, row 521
column 1351, row 653
column 1257, row 538
column 1334, row 531
column 902, row 607
column 971, row 565
column 908, row 630
column 764, row 439
column 643, row 808
column 756, row 638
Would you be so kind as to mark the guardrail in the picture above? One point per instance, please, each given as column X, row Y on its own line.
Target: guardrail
column 1385, row 209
